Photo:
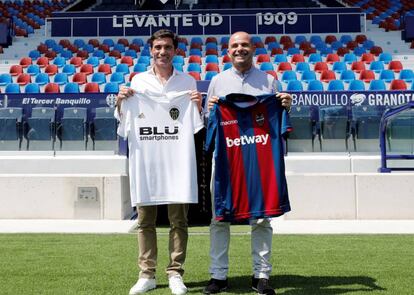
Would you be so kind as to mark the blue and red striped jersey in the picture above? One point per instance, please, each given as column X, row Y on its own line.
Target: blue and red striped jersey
column 246, row 134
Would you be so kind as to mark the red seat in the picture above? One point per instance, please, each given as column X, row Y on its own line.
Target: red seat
column 194, row 59
column 352, row 45
column 226, row 59
column 273, row 73
column 297, row 58
column 262, row 58
column 332, row 58
column 76, row 61
column 25, row 61
column 284, row 66
column 50, row 54
column 320, row 66
column 115, row 53
column 104, row 47
column 134, row 47
column 358, row 66
column 224, row 46
column 79, row 78
column 211, row 66
column 42, row 48
column 395, row 65
column 342, row 51
column 123, row 41
column 286, row 46
column 309, row 51
column 42, row 61
column 276, row 51
column 64, row 42
column 196, row 75
column 16, row 70
column 196, row 46
column 92, row 87
column 105, row 68
column 329, row 39
column 270, row 39
column 367, row 76
column 73, row 48
column 211, row 51
column 398, row 85
column 361, row 38
column 259, row 44
column 24, row 79
column 285, row 39
column 211, row 40
column 367, row 58
column 52, row 88
column 183, row 40
column 94, row 42
column 305, row 45
column 83, row 54
column 51, row 70
column 180, row 52
column 327, row 76
column 376, row 50
column 87, row 69
column 127, row 60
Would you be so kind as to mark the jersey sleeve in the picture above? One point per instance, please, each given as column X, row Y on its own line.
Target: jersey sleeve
column 211, row 129
column 124, row 118
column 197, row 121
column 286, row 126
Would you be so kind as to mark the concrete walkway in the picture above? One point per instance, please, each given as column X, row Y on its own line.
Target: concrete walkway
column 280, row 226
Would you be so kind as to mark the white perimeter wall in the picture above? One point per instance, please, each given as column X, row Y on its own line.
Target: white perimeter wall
column 321, row 186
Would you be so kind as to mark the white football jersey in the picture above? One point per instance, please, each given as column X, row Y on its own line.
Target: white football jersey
column 162, row 162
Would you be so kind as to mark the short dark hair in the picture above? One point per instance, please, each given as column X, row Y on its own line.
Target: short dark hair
column 164, row 33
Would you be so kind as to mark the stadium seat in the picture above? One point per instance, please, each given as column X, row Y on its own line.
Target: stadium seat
column 347, row 76
column 50, row 54
column 40, row 127
column 139, row 68
column 385, row 57
column 5, row 79
column 308, row 76
column 32, row 88
column 358, row 66
column 349, row 58
column 332, row 58
column 178, row 59
column 367, row 58
column 25, row 62
column 356, row 85
column 12, row 88
column 288, row 76
column 293, row 51
column 278, row 58
column 266, row 66
column 24, row 79
column 194, row 67
column 212, row 67
column 336, row 45
column 342, row 51
column 34, row 54
column 98, row 53
column 366, row 75
column 52, row 88
column 327, row 76
column 71, row 87
column 196, row 75
column 127, row 60
column 315, row 85
column 262, row 58
column 398, row 85
column 296, row 58
column 376, row 66
column 79, row 78
column 117, row 77
column 111, row 87
column 51, row 70
column 339, row 67
column 93, row 60
column 92, row 87
column 103, row 126
column 359, row 51
column 407, row 75
column 11, row 124
column 227, row 66
column 16, row 70
column 329, row 39
column 194, row 51
column 377, row 85
column 395, row 65
column 42, row 78
column 33, row 70
column 69, row 69
column 321, row 66
column 334, row 124
column 60, row 79
column 210, row 74
column 122, row 68
column 302, row 67
column 284, row 66
column 294, row 85
column 144, row 60
column 98, row 78
column 132, row 52
column 104, row 68
column 72, row 126
column 87, row 69
column 336, row 85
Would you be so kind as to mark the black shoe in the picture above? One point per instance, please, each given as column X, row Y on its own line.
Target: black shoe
column 262, row 287
column 215, row 286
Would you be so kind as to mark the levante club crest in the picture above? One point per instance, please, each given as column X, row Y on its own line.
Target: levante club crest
column 260, row 119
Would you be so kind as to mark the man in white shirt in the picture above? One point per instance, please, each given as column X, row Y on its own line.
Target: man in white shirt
column 162, row 78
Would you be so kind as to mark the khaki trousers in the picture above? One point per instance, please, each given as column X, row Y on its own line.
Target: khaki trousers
column 147, row 239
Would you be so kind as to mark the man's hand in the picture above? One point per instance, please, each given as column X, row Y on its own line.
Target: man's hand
column 211, row 102
column 285, row 98
column 196, row 97
column 123, row 93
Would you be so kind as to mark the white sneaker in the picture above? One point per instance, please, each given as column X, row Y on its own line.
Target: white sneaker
column 143, row 285
column 176, row 285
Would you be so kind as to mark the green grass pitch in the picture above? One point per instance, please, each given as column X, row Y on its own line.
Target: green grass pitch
column 32, row 264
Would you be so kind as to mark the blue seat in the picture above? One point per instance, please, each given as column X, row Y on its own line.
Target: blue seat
column 32, row 88
column 12, row 88
column 110, row 60
column 377, row 85
column 178, row 59
column 111, row 87
column 61, row 78
column 69, row 69
column 336, row 85
column 315, row 85
column 288, row 75
column 356, row 85
column 40, row 125
column 182, row 46
column 11, row 124
column 293, row 50
column 308, row 76
column 302, row 67
column 347, row 76
column 79, row 43
column 50, row 43
column 366, row 121
column 144, row 60
column 93, row 60
column 72, row 126
column 71, row 88
column 339, row 67
column 66, row 54
column 59, row 61
column 179, row 67
column 42, row 79
column 211, row 59
column 280, row 58
column 140, row 68
column 104, row 125
column 299, row 39
column 294, row 85
column 368, row 44
column 387, row 75
column 5, row 79
column 349, row 58
column 407, row 75
column 195, row 51
column 273, row 45
column 358, row 51
column 334, row 122
column 131, row 53
column 336, row 45
column 345, row 39
column 211, row 45
column 117, row 77
column 146, row 52
column 89, row 48
column 119, row 47
column 227, row 66
column 315, row 39
column 224, row 40
column 266, row 66
column 376, row 66
column 193, row 67
column 100, row 54
column 108, row 42
column 99, row 78
column 34, row 54
column 122, row 68
column 385, row 57
column 57, row 48
column 209, row 75
column 302, row 123
column 33, row 70
column 314, row 58
column 325, row 51
column 196, row 40
column 138, row 41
